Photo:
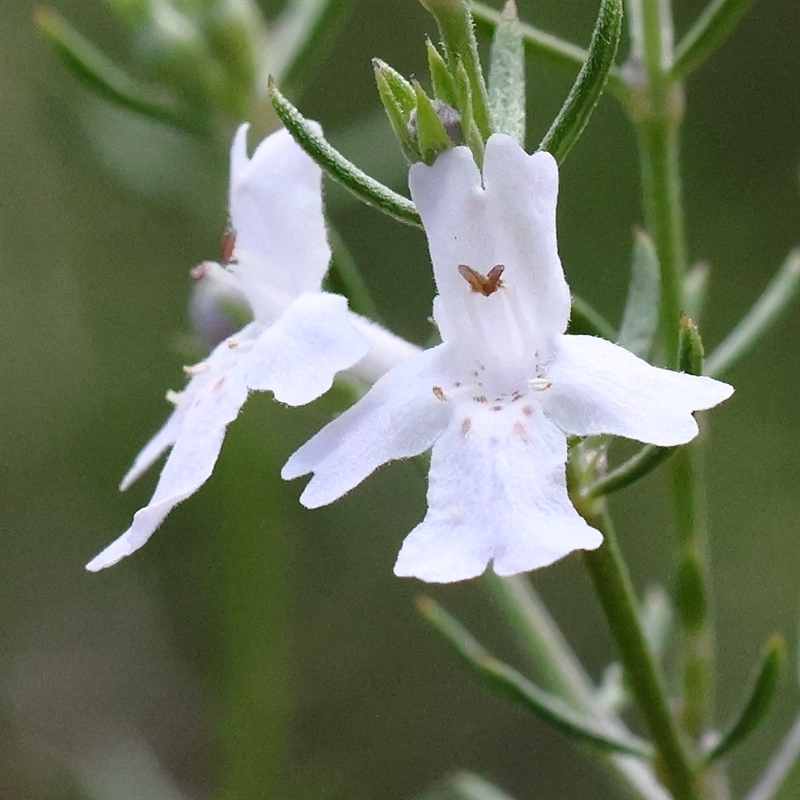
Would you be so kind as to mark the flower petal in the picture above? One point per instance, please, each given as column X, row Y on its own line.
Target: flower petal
column 276, row 211
column 398, row 418
column 599, row 387
column 497, row 492
column 164, row 438
column 506, row 217
column 214, row 400
column 298, row 356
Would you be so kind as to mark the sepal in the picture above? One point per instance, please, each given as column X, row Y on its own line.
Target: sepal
column 435, row 125
column 454, row 20
column 691, row 352
column 444, row 87
column 399, row 101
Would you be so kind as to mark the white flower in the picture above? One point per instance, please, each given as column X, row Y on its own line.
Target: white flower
column 300, row 336
column 497, row 399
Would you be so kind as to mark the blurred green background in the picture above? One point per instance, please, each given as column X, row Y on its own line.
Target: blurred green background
column 256, row 649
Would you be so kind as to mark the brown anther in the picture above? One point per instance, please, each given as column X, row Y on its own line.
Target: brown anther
column 527, row 410
column 232, row 344
column 439, row 393
column 198, row 272
column 227, row 246
column 465, row 426
column 481, row 398
column 482, row 284
column 497, row 408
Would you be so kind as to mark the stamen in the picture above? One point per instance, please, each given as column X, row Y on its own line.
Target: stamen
column 539, row 384
column 195, row 369
column 227, row 246
column 198, row 272
column 465, row 426
column 482, row 284
column 439, row 393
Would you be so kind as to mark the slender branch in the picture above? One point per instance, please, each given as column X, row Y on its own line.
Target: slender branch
column 647, row 459
column 712, row 27
column 613, row 586
column 783, row 765
column 562, row 672
column 549, row 47
column 779, row 294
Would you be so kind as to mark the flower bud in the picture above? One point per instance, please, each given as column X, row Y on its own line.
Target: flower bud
column 217, row 307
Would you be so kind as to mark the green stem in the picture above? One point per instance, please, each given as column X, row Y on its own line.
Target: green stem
column 561, row 671
column 251, row 581
column 658, row 157
column 694, row 588
column 612, row 583
column 656, row 110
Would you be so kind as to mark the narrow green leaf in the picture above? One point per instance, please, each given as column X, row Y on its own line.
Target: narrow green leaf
column 589, row 84
column 781, row 777
column 586, row 319
column 103, row 76
column 549, row 47
column 458, row 37
column 758, row 701
column 338, row 167
column 712, row 27
column 507, row 76
column 444, row 87
column 779, row 294
column 647, row 459
column 301, row 37
column 517, row 688
column 640, row 317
